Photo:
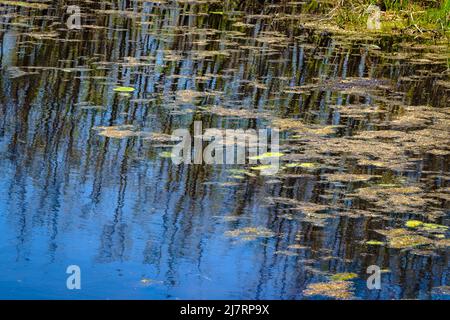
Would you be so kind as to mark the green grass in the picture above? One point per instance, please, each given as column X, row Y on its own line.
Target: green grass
column 421, row 16
column 437, row 16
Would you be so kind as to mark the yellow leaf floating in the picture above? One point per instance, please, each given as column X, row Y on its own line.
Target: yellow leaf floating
column 434, row 227
column 416, row 224
column 413, row 223
column 374, row 243
column 123, row 89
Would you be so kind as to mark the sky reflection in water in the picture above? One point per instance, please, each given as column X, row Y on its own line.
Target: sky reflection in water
column 140, row 227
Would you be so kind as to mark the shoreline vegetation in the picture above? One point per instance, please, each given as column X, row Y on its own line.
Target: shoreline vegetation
column 423, row 18
column 429, row 19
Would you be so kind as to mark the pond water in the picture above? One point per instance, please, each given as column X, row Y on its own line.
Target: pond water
column 364, row 181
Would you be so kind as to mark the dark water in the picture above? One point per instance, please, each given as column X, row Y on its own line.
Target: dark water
column 141, row 227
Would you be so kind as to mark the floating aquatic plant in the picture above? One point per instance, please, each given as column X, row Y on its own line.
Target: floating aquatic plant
column 402, row 239
column 333, row 289
column 430, row 227
column 250, row 233
column 25, row 4
column 117, row 132
column 343, row 276
column 305, row 165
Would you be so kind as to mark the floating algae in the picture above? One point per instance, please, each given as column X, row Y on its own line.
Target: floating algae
column 401, row 239
column 117, row 132
column 343, row 276
column 427, row 227
column 25, row 4
column 250, row 233
column 333, row 289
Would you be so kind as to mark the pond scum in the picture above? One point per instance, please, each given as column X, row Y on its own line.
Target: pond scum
column 364, row 119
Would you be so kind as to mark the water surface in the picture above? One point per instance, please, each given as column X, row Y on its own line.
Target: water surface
column 365, row 118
